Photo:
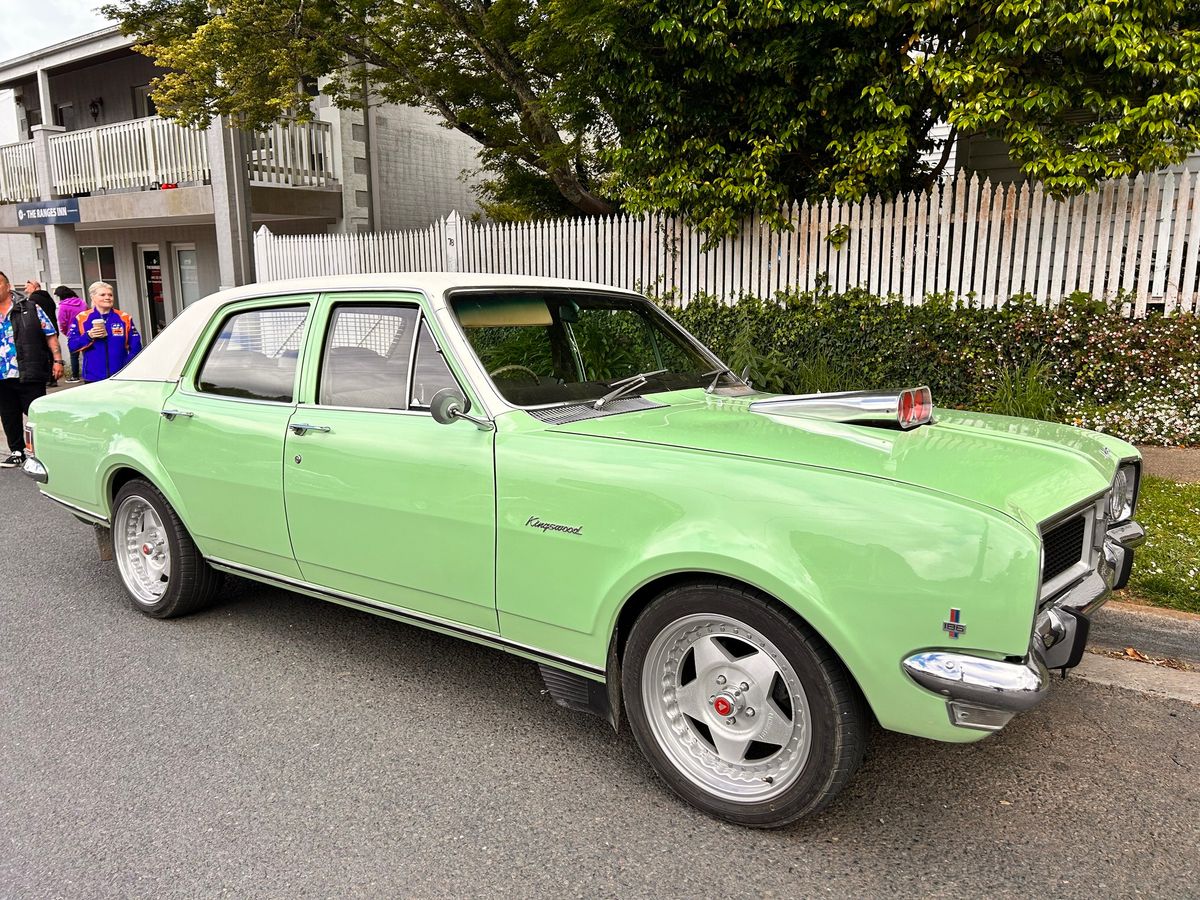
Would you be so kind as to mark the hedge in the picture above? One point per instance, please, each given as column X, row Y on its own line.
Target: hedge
column 1079, row 362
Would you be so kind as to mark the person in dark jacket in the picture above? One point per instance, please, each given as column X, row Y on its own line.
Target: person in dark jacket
column 29, row 357
column 33, row 290
column 105, row 337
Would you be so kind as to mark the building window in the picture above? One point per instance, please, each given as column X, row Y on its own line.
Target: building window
column 99, row 264
column 143, row 103
column 64, row 115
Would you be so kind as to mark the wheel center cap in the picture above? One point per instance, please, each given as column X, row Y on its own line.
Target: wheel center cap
column 147, row 549
column 724, row 704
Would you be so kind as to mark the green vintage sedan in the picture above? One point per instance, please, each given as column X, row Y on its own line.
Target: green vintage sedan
column 558, row 470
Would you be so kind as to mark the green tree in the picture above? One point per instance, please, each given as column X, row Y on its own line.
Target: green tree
column 495, row 71
column 710, row 108
column 726, row 107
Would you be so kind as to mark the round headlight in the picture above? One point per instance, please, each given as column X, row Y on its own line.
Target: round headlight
column 1120, row 498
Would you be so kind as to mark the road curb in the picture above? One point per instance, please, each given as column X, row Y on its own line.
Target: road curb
column 1140, row 678
column 1150, row 630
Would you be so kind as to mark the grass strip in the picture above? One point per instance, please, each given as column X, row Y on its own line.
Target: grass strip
column 1166, row 570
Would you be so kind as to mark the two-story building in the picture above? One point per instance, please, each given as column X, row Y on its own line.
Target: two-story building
column 97, row 186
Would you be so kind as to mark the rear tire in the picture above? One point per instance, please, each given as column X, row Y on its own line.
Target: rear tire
column 740, row 707
column 161, row 568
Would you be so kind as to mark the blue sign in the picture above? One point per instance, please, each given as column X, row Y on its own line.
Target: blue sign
column 48, row 212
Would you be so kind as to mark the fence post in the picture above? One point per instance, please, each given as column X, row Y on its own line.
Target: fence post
column 264, row 247
column 453, row 234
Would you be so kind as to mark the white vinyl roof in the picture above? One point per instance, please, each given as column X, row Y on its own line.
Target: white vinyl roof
column 164, row 357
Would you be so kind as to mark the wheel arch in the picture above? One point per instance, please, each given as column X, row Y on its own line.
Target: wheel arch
column 641, row 598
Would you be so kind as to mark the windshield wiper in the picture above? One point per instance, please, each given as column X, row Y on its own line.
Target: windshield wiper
column 624, row 386
column 725, row 371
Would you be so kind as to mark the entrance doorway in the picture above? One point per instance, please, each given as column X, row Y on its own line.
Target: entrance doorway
column 152, row 289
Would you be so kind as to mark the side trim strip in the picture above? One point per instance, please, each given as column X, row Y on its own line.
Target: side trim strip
column 79, row 510
column 414, row 618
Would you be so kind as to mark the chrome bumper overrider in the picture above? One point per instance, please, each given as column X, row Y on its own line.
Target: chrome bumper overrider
column 985, row 693
column 34, row 469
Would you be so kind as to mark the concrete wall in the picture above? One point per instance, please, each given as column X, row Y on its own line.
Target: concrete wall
column 8, row 119
column 418, row 164
column 111, row 81
column 129, row 272
column 989, row 156
column 20, row 257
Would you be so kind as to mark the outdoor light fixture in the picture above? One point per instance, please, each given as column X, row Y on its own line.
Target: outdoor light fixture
column 95, row 106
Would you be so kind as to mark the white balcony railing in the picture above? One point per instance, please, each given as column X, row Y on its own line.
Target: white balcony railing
column 133, row 154
column 18, row 175
column 296, row 154
column 141, row 152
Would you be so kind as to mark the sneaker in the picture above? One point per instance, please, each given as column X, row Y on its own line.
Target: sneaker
column 72, row 380
column 12, row 460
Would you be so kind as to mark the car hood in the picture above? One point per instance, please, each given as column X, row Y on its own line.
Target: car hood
column 1028, row 469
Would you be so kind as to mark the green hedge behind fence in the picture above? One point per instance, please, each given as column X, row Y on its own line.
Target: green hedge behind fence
column 1080, row 362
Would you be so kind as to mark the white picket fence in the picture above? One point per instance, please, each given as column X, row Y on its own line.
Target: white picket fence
column 1137, row 239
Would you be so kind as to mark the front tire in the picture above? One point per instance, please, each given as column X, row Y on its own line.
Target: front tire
column 740, row 707
column 161, row 568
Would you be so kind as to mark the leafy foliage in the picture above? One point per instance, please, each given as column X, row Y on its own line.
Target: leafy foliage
column 727, row 108
column 1080, row 362
column 498, row 72
column 708, row 108
column 1025, row 391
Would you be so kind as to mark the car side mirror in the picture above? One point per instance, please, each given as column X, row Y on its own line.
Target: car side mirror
column 449, row 404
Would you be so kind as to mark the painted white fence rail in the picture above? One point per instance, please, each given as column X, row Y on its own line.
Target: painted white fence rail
column 18, row 175
column 1137, row 239
column 142, row 152
column 300, row 155
column 133, row 154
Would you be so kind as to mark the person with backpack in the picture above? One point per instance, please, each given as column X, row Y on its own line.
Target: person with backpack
column 105, row 338
column 29, row 357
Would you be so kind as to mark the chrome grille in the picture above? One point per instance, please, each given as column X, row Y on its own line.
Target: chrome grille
column 1063, row 546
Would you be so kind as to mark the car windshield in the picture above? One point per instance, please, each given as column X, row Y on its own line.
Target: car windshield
column 559, row 347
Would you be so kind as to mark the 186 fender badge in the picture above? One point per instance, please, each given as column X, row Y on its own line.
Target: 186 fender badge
column 954, row 627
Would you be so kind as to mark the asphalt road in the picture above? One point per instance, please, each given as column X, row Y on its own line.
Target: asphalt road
column 276, row 746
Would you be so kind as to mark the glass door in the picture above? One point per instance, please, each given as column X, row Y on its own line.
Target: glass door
column 187, row 275
column 152, row 288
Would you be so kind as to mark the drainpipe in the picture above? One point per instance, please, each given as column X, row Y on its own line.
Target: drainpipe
column 369, row 152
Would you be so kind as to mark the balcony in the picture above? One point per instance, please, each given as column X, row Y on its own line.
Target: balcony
column 143, row 153
column 18, row 173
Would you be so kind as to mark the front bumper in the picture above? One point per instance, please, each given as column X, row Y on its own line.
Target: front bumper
column 985, row 694
column 34, row 469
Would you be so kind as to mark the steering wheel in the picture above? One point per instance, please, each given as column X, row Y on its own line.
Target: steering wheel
column 496, row 372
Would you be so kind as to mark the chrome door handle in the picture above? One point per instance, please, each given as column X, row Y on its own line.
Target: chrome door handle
column 301, row 428
column 170, row 414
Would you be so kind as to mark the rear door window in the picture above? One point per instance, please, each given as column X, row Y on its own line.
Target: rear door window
column 254, row 355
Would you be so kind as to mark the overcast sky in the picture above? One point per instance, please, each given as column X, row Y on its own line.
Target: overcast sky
column 32, row 24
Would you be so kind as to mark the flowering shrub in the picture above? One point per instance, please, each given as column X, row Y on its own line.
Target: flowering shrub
column 1167, row 414
column 1139, row 379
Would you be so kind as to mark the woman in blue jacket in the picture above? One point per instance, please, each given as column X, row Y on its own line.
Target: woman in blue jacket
column 105, row 338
